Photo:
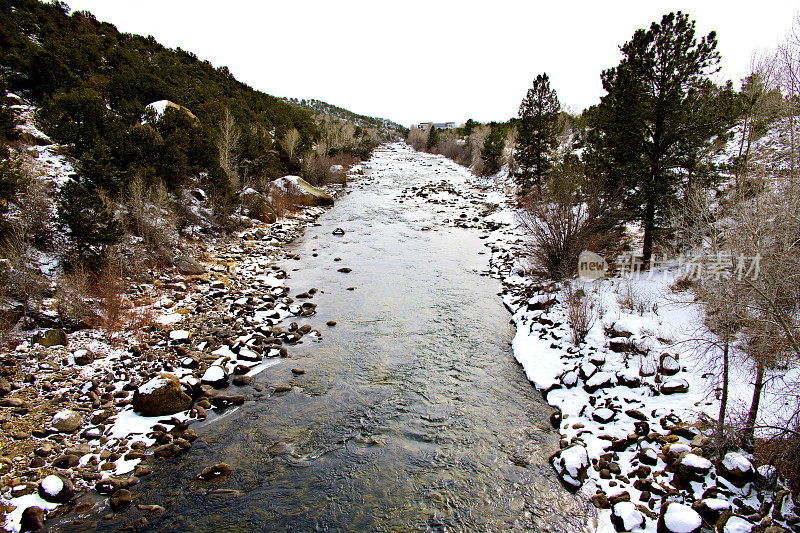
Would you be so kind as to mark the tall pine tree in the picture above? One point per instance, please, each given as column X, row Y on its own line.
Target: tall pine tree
column 536, row 138
column 650, row 126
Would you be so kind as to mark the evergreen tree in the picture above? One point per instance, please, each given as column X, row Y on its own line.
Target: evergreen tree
column 654, row 117
column 433, row 138
column 492, row 151
column 89, row 223
column 536, row 138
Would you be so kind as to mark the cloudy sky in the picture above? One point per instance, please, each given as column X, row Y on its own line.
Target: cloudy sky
column 432, row 60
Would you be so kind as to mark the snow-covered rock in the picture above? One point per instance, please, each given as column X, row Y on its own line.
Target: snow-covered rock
column 162, row 395
column 67, row 421
column 571, row 464
column 678, row 518
column 626, row 517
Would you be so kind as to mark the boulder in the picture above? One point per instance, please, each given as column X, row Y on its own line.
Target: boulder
column 83, row 357
column 67, row 421
column 51, row 337
column 668, row 365
column 675, row 386
column 256, row 206
column 571, row 464
column 216, row 376
column 599, row 380
column 32, row 519
column 211, row 472
column 56, row 488
column 678, row 518
column 736, row 468
column 162, row 395
column 692, row 467
column 626, row 517
column 188, row 266
column 303, row 192
column 730, row 523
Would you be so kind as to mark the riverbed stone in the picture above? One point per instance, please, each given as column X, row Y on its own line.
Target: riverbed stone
column 162, row 395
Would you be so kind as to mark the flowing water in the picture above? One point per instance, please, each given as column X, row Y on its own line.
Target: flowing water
column 412, row 414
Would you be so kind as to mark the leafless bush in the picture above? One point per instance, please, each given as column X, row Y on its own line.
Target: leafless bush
column 284, row 199
column 317, row 169
column 581, row 313
column 74, row 295
column 150, row 214
column 109, row 289
column 562, row 223
column 418, row 139
column 22, row 282
column 35, row 219
column 632, row 300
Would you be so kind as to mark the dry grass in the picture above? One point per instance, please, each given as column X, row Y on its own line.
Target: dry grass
column 581, row 313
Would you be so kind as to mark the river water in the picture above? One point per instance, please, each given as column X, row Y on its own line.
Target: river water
column 412, row 414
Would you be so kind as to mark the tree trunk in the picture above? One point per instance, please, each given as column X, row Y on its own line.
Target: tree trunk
column 752, row 415
column 649, row 224
column 723, row 404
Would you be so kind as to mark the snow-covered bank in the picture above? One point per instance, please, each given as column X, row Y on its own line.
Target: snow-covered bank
column 634, row 401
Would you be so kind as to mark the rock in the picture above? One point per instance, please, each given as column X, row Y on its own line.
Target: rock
column 692, row 467
column 216, row 376
column 242, row 380
column 603, row 415
column 599, row 380
column 162, row 395
column 338, row 232
column 736, row 468
column 179, row 336
column 56, row 488
column 330, row 323
column 711, row 508
column 186, row 265
column 675, row 386
column 298, row 371
column 121, row 498
column 730, row 523
column 51, row 337
column 303, row 193
column 571, row 464
column 67, row 421
column 345, row 270
column 5, row 386
column 668, row 365
column 66, row 461
column 32, row 519
column 211, row 472
column 256, row 206
column 83, row 357
column 678, row 518
column 626, row 517
column 601, row 501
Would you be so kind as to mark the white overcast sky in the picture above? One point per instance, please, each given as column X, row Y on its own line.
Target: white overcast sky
column 432, row 60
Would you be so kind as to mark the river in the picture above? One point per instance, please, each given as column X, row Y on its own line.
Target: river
column 412, row 414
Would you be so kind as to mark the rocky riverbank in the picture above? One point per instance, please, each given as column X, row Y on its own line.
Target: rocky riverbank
column 94, row 410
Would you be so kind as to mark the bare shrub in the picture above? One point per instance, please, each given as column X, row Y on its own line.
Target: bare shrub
column 562, row 223
column 150, row 214
column 284, row 198
column 581, row 313
column 418, row 139
column 109, row 289
column 21, row 282
column 632, row 300
column 35, row 218
column 75, row 304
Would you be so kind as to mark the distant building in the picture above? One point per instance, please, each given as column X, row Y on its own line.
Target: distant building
column 425, row 126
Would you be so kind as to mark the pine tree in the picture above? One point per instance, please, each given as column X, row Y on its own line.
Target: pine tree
column 433, row 138
column 89, row 223
column 654, row 118
column 492, row 151
column 538, row 115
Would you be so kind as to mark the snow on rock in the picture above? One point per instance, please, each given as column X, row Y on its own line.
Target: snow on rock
column 626, row 517
column 678, row 518
column 571, row 464
column 736, row 524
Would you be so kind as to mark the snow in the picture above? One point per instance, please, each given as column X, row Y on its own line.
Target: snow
column 736, row 524
column 695, row 461
column 717, row 504
column 214, row 374
column 152, row 385
column 179, row 335
column 23, row 502
column 630, row 515
column 159, row 107
column 52, row 485
column 735, row 461
column 681, row 518
column 172, row 318
column 63, row 415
